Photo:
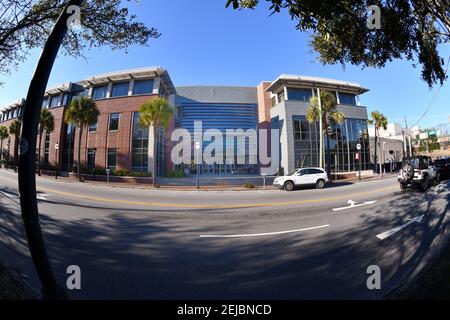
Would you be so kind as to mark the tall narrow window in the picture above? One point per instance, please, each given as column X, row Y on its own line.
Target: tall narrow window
column 139, row 151
column 47, row 148
column 93, row 127
column 91, row 158
column 112, row 159
column 114, row 119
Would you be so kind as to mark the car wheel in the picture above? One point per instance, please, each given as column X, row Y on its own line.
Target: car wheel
column 289, row 186
column 424, row 185
column 320, row 184
column 437, row 179
column 403, row 186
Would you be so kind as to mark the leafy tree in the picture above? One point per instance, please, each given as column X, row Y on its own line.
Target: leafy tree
column 156, row 113
column 25, row 25
column 428, row 145
column 379, row 121
column 82, row 112
column 325, row 110
column 47, row 124
column 410, row 29
column 14, row 129
column 3, row 135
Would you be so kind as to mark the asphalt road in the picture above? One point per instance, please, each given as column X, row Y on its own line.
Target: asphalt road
column 160, row 244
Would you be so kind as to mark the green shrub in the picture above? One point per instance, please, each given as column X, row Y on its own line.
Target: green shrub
column 249, row 185
column 122, row 173
column 176, row 174
column 140, row 174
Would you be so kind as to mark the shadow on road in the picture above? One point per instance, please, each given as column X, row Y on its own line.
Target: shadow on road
column 125, row 254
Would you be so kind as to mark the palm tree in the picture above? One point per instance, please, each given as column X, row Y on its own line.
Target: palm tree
column 324, row 109
column 155, row 113
column 3, row 135
column 14, row 129
column 378, row 120
column 82, row 112
column 48, row 125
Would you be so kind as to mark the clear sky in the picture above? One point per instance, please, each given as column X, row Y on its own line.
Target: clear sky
column 203, row 43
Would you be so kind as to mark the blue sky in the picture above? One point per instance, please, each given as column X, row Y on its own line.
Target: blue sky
column 204, row 43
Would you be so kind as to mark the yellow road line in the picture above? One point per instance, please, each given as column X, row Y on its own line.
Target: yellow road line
column 210, row 206
column 215, row 206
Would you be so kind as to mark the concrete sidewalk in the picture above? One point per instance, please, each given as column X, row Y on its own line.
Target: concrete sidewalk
column 215, row 183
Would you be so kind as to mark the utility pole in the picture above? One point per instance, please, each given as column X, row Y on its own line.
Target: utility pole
column 406, row 139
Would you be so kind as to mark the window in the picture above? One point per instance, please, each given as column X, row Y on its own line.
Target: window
column 347, row 98
column 281, row 96
column 100, row 92
column 273, row 101
column 91, row 158
column 65, row 99
column 114, row 119
column 143, row 87
column 112, row 159
column 93, row 127
column 299, row 94
column 47, row 148
column 45, row 103
column 54, row 101
column 120, row 89
column 139, row 150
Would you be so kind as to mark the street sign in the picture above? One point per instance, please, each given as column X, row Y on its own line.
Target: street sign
column 56, row 146
column 358, row 146
column 197, row 145
column 356, row 156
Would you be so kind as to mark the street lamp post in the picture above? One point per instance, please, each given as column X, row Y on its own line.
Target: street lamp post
column 56, row 160
column 197, row 148
column 359, row 147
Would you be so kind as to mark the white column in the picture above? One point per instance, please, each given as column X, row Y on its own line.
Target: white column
column 151, row 140
column 131, row 87
column 108, row 93
column 156, row 84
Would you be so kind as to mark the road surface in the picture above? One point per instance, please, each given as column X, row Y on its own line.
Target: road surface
column 160, row 244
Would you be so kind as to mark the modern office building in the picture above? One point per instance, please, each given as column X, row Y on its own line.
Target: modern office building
column 116, row 141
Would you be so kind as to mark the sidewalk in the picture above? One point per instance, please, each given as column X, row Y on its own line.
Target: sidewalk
column 189, row 184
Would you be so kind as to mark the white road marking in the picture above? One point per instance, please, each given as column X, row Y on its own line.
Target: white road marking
column 390, row 233
column 263, row 234
column 42, row 196
column 9, row 196
column 353, row 204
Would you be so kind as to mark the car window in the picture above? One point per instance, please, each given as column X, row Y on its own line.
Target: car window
column 303, row 172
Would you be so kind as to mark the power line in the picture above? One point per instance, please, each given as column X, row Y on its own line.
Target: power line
column 434, row 98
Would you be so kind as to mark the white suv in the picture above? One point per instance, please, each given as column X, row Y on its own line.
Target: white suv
column 302, row 177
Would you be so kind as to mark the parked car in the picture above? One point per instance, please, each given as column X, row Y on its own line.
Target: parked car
column 302, row 177
column 418, row 172
column 443, row 167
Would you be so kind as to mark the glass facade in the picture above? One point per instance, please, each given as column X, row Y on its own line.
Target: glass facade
column 342, row 144
column 221, row 117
